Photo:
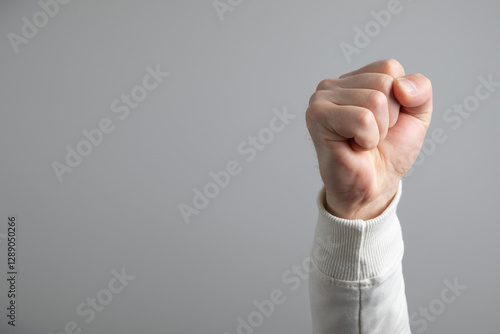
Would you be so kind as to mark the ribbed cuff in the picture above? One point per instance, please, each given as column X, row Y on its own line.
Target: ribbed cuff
column 355, row 250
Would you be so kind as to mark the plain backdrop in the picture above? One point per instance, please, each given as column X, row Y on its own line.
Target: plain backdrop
column 119, row 209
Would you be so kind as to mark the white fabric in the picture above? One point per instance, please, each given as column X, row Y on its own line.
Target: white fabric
column 356, row 285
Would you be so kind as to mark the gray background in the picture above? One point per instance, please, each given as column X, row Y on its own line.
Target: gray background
column 120, row 207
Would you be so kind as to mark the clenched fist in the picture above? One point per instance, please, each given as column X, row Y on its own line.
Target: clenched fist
column 368, row 127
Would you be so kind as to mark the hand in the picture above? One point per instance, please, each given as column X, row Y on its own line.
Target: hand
column 368, row 127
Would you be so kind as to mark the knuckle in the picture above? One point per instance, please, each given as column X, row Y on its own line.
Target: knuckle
column 367, row 134
column 315, row 111
column 364, row 119
column 326, row 84
column 377, row 100
column 317, row 114
column 315, row 97
column 392, row 67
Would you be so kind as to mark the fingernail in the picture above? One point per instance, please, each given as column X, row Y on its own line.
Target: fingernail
column 408, row 86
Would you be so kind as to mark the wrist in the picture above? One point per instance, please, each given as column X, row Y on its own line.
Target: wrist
column 376, row 243
column 359, row 207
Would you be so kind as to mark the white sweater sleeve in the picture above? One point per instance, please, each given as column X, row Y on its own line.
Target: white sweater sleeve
column 356, row 283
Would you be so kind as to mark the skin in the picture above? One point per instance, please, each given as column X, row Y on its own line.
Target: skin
column 368, row 127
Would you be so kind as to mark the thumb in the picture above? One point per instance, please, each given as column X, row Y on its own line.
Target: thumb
column 414, row 93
